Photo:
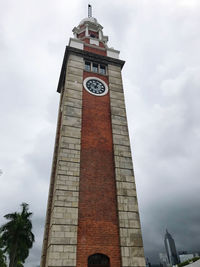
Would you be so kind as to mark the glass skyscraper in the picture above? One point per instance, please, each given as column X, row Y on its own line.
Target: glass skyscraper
column 170, row 247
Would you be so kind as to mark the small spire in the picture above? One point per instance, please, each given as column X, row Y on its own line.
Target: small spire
column 89, row 11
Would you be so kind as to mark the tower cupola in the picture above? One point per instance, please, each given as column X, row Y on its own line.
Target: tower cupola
column 88, row 36
column 90, row 31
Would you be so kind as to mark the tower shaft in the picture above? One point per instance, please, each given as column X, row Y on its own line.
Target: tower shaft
column 92, row 215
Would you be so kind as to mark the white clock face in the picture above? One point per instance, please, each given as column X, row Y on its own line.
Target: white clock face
column 95, row 86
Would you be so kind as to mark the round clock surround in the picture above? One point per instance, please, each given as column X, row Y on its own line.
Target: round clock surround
column 95, row 86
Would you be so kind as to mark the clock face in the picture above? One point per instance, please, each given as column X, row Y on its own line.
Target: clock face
column 95, row 86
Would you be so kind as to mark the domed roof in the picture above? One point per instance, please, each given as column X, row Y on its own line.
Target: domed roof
column 89, row 19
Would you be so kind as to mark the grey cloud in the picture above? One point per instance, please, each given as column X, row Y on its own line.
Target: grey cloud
column 160, row 42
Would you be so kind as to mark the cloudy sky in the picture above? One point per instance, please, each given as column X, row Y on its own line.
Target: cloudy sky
column 159, row 40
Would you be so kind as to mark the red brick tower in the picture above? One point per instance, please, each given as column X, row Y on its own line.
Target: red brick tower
column 92, row 216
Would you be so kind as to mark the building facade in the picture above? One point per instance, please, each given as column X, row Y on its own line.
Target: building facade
column 187, row 256
column 163, row 260
column 92, row 214
column 170, row 247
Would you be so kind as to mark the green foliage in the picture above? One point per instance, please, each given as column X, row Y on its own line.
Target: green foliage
column 196, row 259
column 2, row 259
column 19, row 264
column 2, row 255
column 17, row 236
column 188, row 261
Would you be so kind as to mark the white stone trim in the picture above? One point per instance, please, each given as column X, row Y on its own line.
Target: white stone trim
column 112, row 53
column 94, row 42
column 76, row 43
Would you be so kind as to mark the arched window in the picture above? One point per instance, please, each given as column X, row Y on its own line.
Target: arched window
column 98, row 260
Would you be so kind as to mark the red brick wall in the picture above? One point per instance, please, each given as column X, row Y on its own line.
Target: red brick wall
column 94, row 50
column 80, row 35
column 98, row 222
column 86, row 40
column 101, row 44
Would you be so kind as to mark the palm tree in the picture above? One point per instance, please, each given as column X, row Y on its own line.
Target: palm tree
column 16, row 235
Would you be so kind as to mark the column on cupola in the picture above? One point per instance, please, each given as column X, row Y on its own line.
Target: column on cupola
column 86, row 30
column 75, row 32
column 100, row 34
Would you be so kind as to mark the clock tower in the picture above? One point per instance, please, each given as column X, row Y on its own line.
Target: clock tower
column 92, row 215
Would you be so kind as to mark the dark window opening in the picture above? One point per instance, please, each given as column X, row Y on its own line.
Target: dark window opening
column 102, row 69
column 92, row 35
column 87, row 66
column 98, row 260
column 95, row 67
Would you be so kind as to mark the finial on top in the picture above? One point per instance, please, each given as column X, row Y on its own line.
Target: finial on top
column 89, row 11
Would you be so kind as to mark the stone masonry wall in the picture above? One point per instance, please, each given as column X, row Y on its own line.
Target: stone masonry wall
column 132, row 252
column 62, row 240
